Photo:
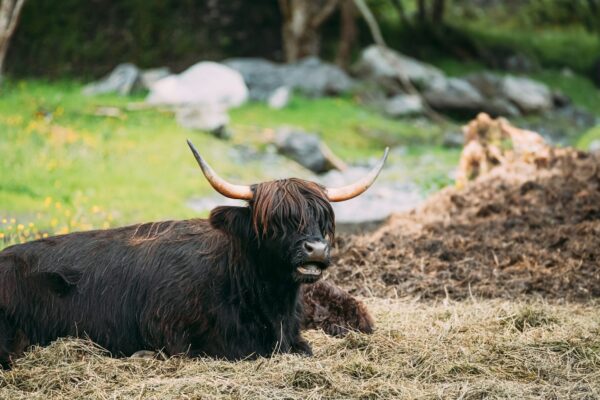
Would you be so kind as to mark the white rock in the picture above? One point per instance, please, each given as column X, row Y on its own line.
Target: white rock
column 529, row 95
column 455, row 94
column 279, row 98
column 387, row 65
column 205, row 83
column 150, row 76
column 403, row 105
column 205, row 117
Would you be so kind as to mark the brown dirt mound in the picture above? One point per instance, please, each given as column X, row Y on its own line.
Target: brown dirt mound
column 529, row 224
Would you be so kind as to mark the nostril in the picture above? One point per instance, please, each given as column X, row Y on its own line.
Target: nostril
column 316, row 251
column 308, row 247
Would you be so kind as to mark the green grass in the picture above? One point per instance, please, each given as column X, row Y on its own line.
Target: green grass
column 64, row 168
column 351, row 131
column 580, row 89
column 588, row 137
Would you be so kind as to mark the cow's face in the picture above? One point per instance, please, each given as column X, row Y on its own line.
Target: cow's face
column 294, row 224
column 289, row 222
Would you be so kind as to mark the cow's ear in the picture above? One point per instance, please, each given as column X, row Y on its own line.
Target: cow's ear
column 234, row 220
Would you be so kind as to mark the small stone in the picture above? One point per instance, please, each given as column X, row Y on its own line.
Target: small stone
column 403, row 105
column 453, row 139
column 203, row 118
column 279, row 98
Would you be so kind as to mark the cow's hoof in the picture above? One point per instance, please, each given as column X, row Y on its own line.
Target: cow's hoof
column 303, row 348
column 146, row 354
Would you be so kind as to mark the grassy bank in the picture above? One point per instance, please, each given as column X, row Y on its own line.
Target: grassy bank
column 66, row 166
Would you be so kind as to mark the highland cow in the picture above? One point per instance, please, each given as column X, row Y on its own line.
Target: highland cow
column 226, row 287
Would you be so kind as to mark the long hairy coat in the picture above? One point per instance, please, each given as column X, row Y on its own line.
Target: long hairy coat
column 225, row 287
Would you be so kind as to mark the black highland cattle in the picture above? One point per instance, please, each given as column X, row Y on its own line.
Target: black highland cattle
column 227, row 286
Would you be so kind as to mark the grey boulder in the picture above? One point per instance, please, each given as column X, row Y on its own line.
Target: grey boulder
column 402, row 105
column 310, row 76
column 124, row 79
column 529, row 95
column 455, row 94
column 307, row 150
column 388, row 68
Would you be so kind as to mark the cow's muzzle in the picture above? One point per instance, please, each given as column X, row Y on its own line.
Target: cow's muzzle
column 316, row 259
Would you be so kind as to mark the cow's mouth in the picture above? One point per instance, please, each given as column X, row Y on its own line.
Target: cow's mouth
column 310, row 269
column 309, row 272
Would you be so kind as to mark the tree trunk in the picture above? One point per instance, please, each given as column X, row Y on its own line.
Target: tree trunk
column 302, row 20
column 421, row 11
column 401, row 11
column 437, row 13
column 9, row 16
column 348, row 33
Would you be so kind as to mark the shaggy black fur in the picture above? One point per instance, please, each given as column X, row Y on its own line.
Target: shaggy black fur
column 225, row 287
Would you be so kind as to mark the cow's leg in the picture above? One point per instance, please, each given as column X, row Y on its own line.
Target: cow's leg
column 7, row 338
column 301, row 346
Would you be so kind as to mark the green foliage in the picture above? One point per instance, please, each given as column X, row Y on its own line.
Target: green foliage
column 574, row 47
column 562, row 13
column 83, row 38
column 552, row 33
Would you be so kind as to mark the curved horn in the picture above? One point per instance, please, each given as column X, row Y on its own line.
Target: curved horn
column 219, row 184
column 350, row 191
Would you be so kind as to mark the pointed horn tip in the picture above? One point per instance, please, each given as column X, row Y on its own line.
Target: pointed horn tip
column 197, row 155
column 357, row 188
column 381, row 162
column 191, row 145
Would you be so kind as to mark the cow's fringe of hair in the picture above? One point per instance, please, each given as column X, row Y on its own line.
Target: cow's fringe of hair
column 280, row 205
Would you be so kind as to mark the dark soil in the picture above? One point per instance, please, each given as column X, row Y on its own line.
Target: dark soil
column 523, row 228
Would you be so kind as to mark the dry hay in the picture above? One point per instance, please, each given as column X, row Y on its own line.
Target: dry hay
column 529, row 224
column 472, row 349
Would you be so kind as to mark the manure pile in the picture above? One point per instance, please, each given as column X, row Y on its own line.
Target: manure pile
column 523, row 219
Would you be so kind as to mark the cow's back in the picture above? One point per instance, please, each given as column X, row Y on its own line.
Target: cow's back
column 110, row 285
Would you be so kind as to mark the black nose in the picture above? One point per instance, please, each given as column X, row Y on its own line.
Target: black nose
column 316, row 251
